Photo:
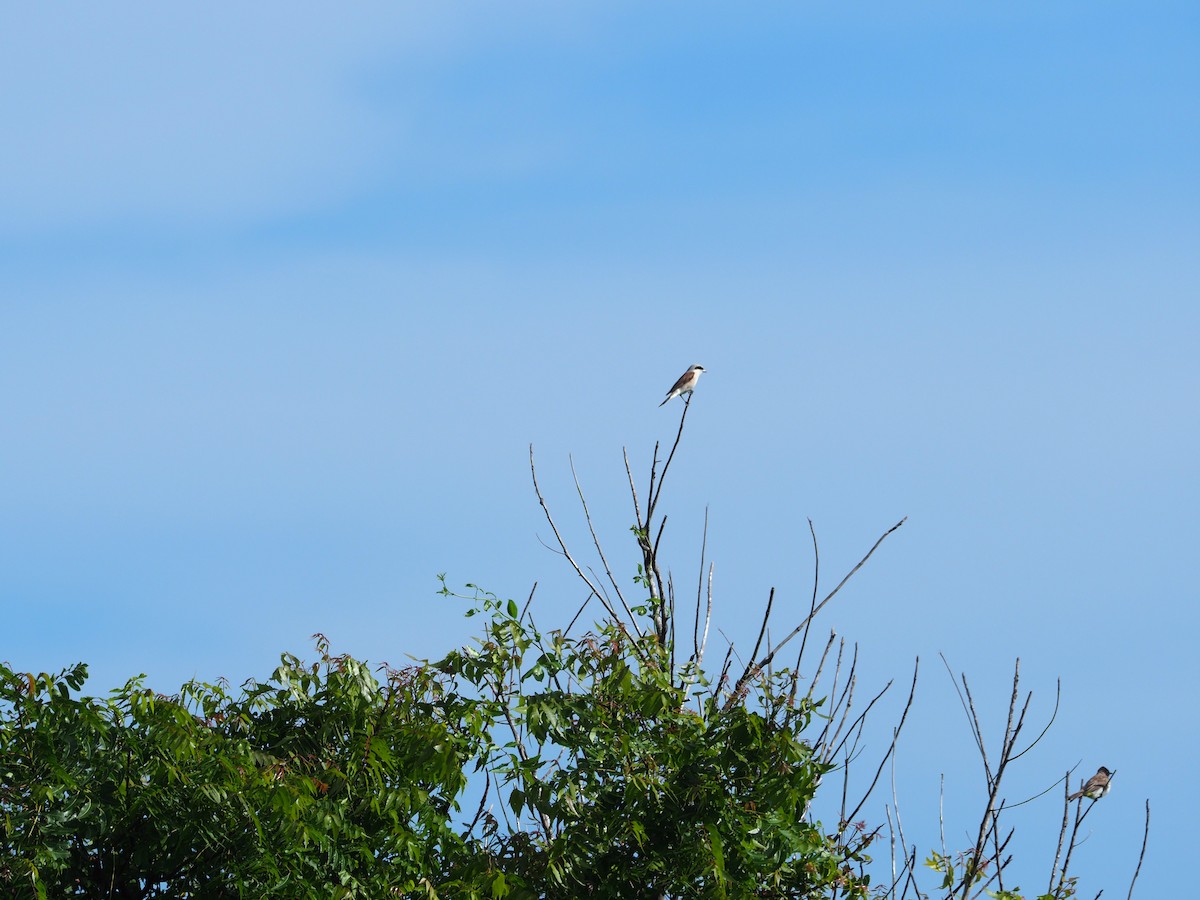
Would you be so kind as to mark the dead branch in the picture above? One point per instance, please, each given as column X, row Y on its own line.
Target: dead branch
column 1142, row 855
column 812, row 608
column 753, row 669
column 596, row 540
column 561, row 543
column 895, row 737
column 707, row 619
column 700, row 591
column 1062, row 833
column 653, row 495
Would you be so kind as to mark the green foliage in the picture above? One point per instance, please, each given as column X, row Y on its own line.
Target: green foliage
column 320, row 782
column 625, row 781
column 613, row 778
column 597, row 766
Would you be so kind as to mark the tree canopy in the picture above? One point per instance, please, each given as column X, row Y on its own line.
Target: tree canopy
column 606, row 762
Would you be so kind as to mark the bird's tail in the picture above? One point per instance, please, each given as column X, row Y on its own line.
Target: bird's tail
column 1075, row 796
column 664, row 403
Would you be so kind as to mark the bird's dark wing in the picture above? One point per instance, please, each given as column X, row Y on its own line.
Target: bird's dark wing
column 681, row 383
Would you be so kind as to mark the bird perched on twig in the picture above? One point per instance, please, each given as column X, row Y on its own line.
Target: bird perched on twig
column 1096, row 787
column 685, row 385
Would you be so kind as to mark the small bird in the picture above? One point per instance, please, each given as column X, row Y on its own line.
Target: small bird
column 1096, row 787
column 685, row 385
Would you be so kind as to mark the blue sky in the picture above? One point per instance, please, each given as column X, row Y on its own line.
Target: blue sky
column 288, row 292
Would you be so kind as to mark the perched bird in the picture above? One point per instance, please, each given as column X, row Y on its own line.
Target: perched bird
column 685, row 385
column 1096, row 787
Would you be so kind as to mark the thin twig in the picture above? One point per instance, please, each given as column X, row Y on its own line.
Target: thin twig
column 752, row 670
column 1036, row 796
column 1053, row 716
column 670, row 621
column 1062, row 877
column 821, row 665
column 899, row 824
column 707, row 619
column 525, row 608
column 942, row 811
column 637, row 510
column 724, row 671
column 812, row 608
column 653, row 504
column 561, row 543
column 1142, row 855
column 1062, row 832
column 650, row 488
column 487, row 786
column 892, row 844
column 595, row 539
column 857, row 722
column 762, row 630
column 837, row 669
column 895, row 737
column 575, row 618
column 990, row 813
column 700, row 589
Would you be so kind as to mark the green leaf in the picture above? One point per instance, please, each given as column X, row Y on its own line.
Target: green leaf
column 516, row 801
column 718, row 857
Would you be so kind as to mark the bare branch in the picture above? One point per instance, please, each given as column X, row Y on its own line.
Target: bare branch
column 911, row 881
column 561, row 543
column 724, row 670
column 650, row 489
column 487, row 786
column 1071, row 844
column 837, row 669
column 637, row 510
column 1034, row 797
column 795, row 683
column 1053, row 716
column 895, row 737
column 752, row 670
column 654, row 495
column 978, row 730
column 812, row 608
column 595, row 539
column 821, row 665
column 896, row 805
column 991, row 813
column 1142, row 855
column 1062, row 832
column 669, row 621
column 972, row 719
column 892, row 842
column 700, row 589
column 942, row 810
column 707, row 619
column 575, row 618
column 761, row 631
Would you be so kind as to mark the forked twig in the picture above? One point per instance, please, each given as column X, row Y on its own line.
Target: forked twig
column 753, row 668
column 895, row 737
